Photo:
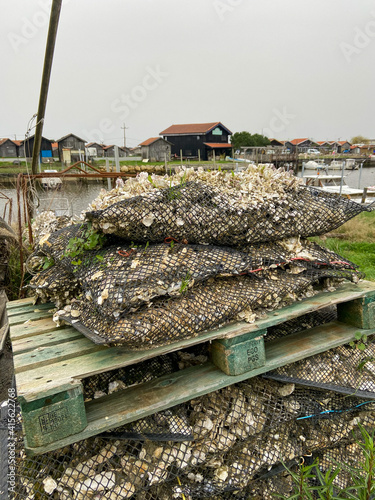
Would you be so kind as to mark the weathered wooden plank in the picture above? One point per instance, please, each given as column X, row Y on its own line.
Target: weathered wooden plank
column 170, row 390
column 29, row 316
column 359, row 312
column 29, row 308
column 239, row 354
column 56, row 337
column 53, row 418
column 48, row 355
column 33, row 328
column 20, row 302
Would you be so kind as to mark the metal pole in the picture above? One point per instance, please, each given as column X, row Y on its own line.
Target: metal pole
column 48, row 57
column 342, row 176
column 117, row 159
column 107, row 170
column 360, row 175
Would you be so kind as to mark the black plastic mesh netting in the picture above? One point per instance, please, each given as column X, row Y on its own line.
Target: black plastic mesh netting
column 201, row 213
column 143, row 296
column 347, row 369
column 135, row 274
column 207, row 305
column 139, row 373
column 304, row 322
column 233, row 441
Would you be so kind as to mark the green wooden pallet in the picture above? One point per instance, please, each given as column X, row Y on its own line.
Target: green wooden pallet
column 50, row 363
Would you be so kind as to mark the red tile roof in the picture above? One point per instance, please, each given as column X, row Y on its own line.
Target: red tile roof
column 277, row 140
column 2, row 141
column 149, row 141
column 295, row 142
column 192, row 128
column 217, row 145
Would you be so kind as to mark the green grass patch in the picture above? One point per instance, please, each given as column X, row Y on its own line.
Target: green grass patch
column 360, row 253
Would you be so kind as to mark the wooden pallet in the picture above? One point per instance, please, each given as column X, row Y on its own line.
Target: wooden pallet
column 51, row 362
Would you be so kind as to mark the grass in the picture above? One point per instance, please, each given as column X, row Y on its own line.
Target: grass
column 355, row 241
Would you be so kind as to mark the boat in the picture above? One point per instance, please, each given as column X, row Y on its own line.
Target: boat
column 337, row 184
column 51, row 182
column 348, row 164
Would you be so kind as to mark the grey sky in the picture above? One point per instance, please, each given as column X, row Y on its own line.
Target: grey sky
column 292, row 68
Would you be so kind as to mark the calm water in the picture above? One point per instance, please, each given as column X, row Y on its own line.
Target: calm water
column 75, row 196
column 72, row 198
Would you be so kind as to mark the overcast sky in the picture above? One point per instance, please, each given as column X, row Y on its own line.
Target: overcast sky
column 289, row 68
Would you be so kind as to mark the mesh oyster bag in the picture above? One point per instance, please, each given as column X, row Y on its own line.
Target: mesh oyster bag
column 55, row 284
column 237, row 440
column 346, row 369
column 203, row 214
column 119, row 278
column 208, row 305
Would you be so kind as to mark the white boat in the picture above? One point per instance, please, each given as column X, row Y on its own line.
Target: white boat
column 337, row 184
column 51, row 182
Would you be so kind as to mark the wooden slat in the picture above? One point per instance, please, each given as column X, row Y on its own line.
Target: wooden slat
column 56, row 337
column 34, row 382
column 33, row 328
column 20, row 302
column 28, row 309
column 170, row 390
column 29, row 316
column 48, row 355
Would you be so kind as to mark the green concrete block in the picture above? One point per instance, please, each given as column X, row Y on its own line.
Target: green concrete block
column 52, row 418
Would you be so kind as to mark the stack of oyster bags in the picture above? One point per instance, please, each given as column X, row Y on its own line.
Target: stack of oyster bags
column 165, row 258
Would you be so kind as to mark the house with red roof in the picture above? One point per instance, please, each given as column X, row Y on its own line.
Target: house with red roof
column 109, row 151
column 276, row 143
column 198, row 140
column 156, row 149
column 8, row 148
column 300, row 145
column 343, row 146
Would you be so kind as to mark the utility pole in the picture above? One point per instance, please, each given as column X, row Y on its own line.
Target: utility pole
column 48, row 57
column 124, row 128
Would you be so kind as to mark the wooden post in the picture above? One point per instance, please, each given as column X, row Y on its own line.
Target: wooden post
column 181, row 156
column 199, row 155
column 213, row 157
column 364, row 195
column 50, row 47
